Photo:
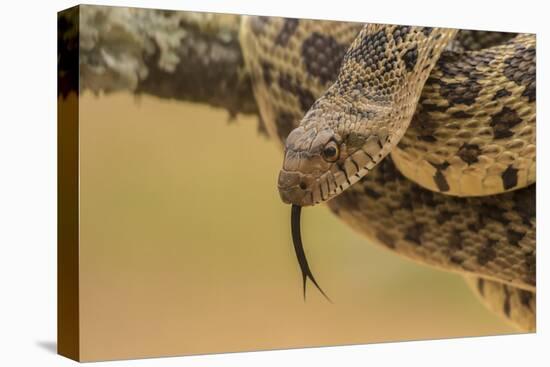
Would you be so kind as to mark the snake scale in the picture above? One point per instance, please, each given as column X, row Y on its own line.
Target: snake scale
column 422, row 139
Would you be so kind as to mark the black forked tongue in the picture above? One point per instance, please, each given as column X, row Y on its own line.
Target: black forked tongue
column 299, row 248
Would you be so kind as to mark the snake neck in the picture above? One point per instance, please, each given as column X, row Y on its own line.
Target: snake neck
column 380, row 82
column 365, row 112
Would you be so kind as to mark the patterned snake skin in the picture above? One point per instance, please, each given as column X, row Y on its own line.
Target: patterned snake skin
column 458, row 191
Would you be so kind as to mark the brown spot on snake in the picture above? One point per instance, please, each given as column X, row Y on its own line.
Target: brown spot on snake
column 414, row 233
column 509, row 177
column 469, row 153
column 322, row 55
column 289, row 27
column 410, row 58
column 521, row 68
column 503, row 121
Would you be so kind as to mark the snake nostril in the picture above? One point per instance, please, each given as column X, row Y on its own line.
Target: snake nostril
column 303, row 185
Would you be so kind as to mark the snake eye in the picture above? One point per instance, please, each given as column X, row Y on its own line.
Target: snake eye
column 331, row 152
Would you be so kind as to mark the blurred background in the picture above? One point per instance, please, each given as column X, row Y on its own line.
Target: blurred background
column 186, row 247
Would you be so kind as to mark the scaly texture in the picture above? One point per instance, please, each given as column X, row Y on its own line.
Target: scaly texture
column 516, row 305
column 473, row 132
column 293, row 63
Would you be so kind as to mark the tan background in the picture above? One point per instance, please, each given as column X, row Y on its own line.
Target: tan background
column 186, row 247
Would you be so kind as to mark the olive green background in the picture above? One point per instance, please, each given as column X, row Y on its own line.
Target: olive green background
column 185, row 247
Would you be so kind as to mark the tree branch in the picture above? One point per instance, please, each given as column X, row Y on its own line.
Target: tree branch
column 170, row 54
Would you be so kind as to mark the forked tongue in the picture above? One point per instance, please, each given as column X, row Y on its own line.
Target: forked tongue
column 299, row 248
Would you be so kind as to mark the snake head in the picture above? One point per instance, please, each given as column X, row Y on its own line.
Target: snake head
column 321, row 163
column 305, row 163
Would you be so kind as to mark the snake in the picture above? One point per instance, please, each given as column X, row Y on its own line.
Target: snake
column 420, row 138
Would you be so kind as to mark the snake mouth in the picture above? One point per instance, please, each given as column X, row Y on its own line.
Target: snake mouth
column 301, row 189
column 314, row 187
